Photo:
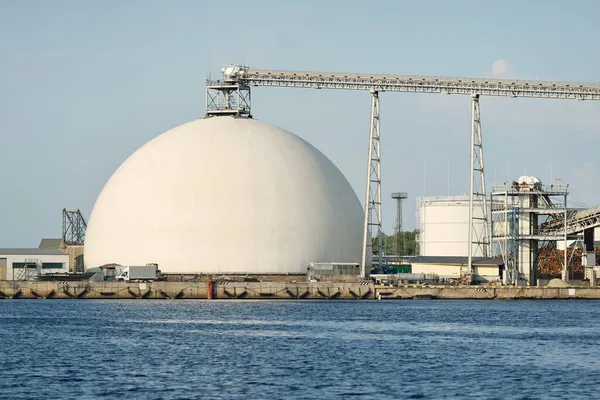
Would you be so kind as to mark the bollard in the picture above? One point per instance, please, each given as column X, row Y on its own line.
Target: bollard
column 209, row 289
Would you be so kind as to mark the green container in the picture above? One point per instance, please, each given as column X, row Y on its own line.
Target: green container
column 400, row 269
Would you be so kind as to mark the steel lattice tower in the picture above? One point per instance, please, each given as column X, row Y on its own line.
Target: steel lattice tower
column 479, row 241
column 74, row 227
column 399, row 197
column 373, row 194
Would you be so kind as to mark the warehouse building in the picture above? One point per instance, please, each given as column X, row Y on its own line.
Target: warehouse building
column 75, row 252
column 26, row 264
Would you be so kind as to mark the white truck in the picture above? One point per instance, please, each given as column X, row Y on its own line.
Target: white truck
column 148, row 272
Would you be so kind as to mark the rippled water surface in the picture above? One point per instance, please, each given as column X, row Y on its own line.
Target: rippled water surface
column 299, row 349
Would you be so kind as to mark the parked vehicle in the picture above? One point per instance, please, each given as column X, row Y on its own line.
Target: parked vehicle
column 148, row 272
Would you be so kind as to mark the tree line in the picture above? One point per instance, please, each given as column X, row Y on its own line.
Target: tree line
column 404, row 243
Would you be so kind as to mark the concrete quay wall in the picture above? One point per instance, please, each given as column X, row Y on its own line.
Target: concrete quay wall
column 277, row 290
column 181, row 290
column 485, row 292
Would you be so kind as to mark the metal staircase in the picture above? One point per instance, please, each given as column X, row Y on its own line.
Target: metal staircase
column 29, row 271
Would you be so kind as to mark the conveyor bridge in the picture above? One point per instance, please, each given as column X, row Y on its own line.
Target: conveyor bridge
column 577, row 222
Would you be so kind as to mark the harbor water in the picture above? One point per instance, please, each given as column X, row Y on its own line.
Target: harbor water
column 241, row 349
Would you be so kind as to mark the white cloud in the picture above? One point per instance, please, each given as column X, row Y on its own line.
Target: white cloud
column 500, row 68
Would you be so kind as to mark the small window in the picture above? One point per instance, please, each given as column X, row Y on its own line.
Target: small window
column 53, row 265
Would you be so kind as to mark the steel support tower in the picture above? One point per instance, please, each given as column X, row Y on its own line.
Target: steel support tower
column 373, row 193
column 399, row 197
column 231, row 96
column 73, row 228
column 478, row 241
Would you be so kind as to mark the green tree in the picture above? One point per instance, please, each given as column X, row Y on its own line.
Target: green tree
column 406, row 240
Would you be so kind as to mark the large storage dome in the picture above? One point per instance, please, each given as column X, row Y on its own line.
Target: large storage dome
column 225, row 195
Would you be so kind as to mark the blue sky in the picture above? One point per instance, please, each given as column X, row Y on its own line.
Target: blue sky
column 83, row 84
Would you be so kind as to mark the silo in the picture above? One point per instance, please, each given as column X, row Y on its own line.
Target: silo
column 444, row 226
column 226, row 195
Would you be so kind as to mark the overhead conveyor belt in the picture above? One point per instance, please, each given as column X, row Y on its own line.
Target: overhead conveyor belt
column 414, row 83
column 577, row 221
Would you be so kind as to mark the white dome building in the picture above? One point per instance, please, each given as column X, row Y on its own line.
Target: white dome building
column 225, row 195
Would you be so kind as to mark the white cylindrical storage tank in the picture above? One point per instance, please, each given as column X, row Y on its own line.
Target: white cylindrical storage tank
column 444, row 226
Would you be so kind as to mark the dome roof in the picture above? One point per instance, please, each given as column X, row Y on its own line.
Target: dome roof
column 528, row 180
column 225, row 195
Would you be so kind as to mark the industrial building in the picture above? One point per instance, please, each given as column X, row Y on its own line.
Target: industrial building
column 528, row 215
column 29, row 264
column 226, row 195
column 519, row 211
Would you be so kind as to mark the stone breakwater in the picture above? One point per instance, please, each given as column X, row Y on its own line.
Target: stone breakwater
column 278, row 290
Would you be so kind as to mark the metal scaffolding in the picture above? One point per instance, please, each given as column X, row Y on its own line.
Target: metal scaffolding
column 231, row 96
column 73, row 228
column 519, row 213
